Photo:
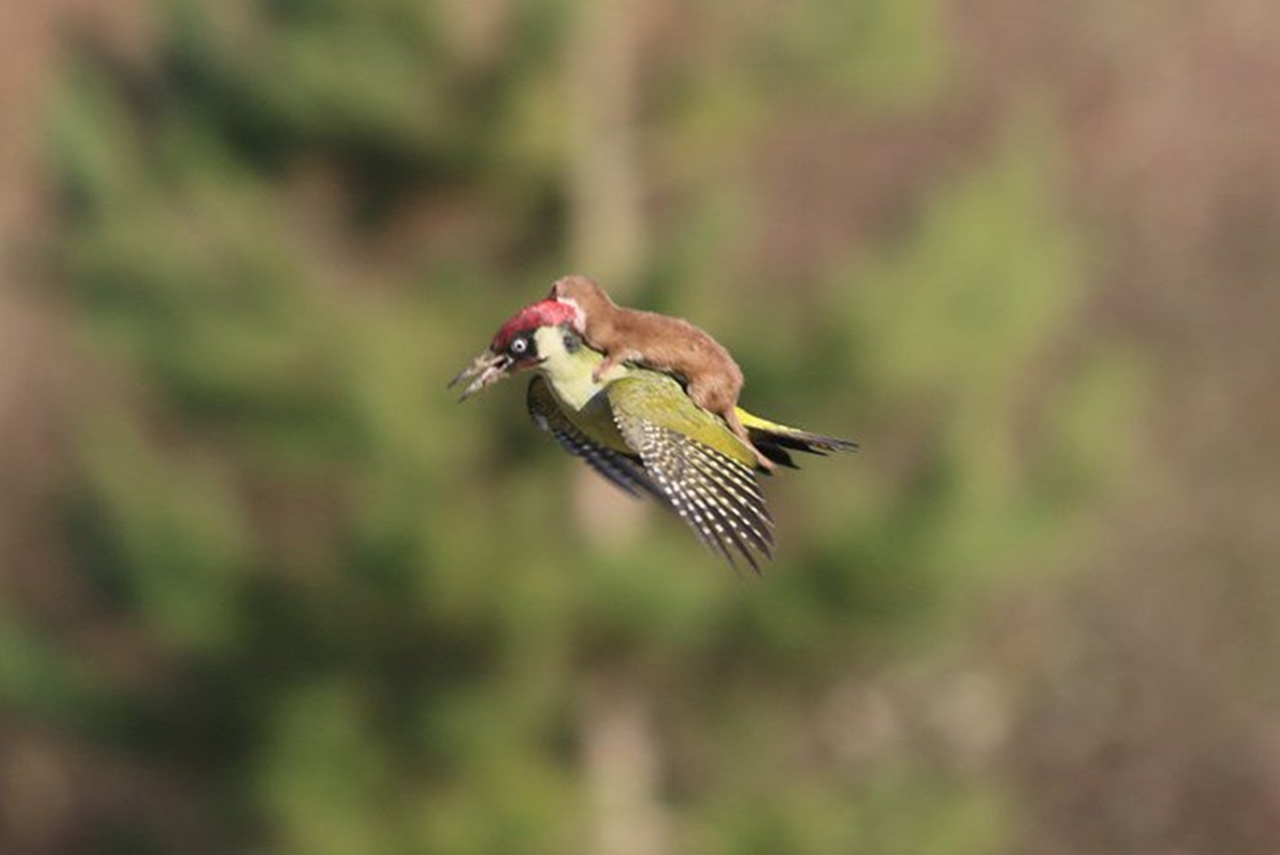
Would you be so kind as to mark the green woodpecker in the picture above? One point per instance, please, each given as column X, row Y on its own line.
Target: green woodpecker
column 640, row 429
column 671, row 345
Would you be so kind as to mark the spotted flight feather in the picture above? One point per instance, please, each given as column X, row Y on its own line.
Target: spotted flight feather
column 622, row 471
column 716, row 495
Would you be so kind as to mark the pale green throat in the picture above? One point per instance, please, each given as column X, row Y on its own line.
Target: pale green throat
column 569, row 371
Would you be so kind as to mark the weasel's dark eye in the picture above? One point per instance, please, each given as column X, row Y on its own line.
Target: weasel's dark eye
column 519, row 347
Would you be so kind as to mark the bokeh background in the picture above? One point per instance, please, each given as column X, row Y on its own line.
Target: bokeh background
column 268, row 588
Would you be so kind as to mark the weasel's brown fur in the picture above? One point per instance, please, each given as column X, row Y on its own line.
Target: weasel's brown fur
column 712, row 378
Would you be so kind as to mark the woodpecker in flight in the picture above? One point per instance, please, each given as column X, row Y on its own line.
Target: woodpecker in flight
column 641, row 430
column 673, row 345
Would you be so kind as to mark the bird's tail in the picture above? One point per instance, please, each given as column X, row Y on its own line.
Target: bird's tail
column 775, row 441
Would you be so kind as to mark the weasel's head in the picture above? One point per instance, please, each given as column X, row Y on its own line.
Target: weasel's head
column 581, row 294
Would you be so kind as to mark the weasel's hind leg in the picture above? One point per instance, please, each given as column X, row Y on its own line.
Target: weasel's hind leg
column 722, row 399
column 735, row 424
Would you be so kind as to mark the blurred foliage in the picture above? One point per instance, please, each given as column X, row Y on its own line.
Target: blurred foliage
column 376, row 609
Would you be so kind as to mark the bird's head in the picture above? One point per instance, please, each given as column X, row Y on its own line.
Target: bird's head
column 515, row 345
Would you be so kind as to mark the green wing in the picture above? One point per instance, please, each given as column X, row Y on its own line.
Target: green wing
column 663, row 401
column 625, row 472
column 717, row 495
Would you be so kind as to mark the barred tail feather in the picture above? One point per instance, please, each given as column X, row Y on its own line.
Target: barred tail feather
column 775, row 440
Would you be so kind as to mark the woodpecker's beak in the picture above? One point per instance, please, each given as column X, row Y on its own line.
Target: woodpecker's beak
column 487, row 369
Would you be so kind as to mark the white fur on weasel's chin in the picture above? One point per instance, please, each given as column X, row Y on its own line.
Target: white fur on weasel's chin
column 579, row 316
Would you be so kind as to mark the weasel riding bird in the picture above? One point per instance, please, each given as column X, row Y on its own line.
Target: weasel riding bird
column 641, row 427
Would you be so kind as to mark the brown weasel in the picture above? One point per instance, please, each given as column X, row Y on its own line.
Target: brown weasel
column 712, row 378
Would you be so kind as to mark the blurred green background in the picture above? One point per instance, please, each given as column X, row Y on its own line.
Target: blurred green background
column 268, row 588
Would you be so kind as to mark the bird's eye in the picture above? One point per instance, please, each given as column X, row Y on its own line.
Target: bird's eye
column 519, row 346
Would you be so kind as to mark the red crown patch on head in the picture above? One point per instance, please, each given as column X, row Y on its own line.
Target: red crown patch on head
column 547, row 313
